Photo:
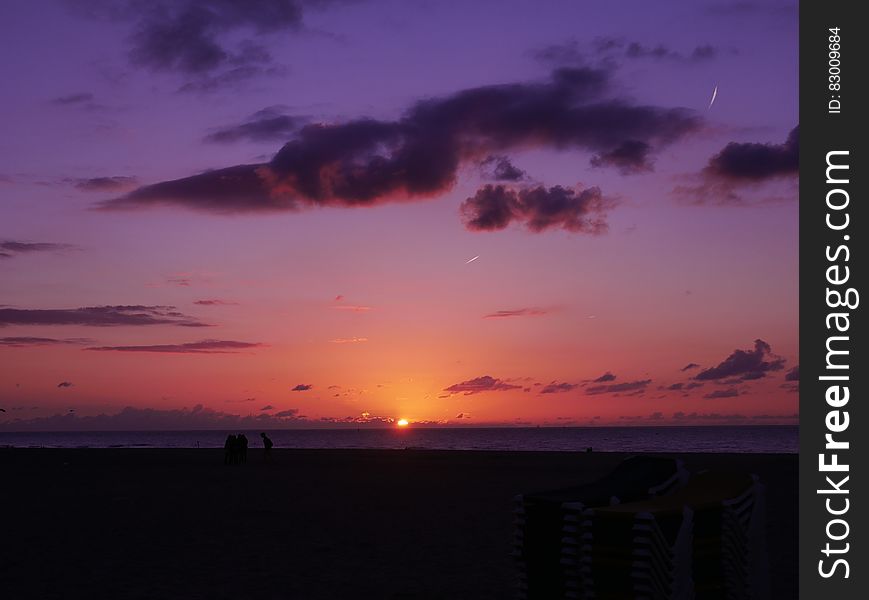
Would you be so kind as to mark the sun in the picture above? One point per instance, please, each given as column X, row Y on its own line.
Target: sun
column 402, row 423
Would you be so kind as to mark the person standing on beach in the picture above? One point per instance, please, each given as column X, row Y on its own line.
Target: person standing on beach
column 229, row 450
column 242, row 448
column 267, row 444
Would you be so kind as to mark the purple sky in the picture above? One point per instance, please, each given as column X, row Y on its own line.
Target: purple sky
column 622, row 224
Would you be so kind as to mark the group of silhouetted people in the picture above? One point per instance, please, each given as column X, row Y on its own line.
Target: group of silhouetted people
column 236, row 449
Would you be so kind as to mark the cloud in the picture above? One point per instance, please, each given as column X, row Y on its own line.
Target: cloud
column 144, row 419
column 745, row 365
column 629, row 158
column 479, row 385
column 728, row 393
column 624, row 49
column 611, row 49
column 675, row 386
column 118, row 183
column 74, row 99
column 793, row 374
column 690, row 366
column 500, row 168
column 266, row 125
column 203, row 347
column 740, row 166
column 493, row 208
column 755, row 162
column 11, row 248
column 302, row 387
column 556, row 388
column 605, row 377
column 613, row 388
column 214, row 302
column 267, row 407
column 352, row 308
column 353, row 340
column 99, row 316
column 65, row 384
column 210, row 42
column 518, row 312
column 22, row 342
column 366, row 162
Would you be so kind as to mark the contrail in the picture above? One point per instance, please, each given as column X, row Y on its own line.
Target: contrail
column 714, row 94
column 467, row 262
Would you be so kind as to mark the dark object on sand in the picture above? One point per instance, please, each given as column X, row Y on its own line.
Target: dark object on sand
column 705, row 540
column 267, row 445
column 241, row 440
column 229, row 450
column 540, row 517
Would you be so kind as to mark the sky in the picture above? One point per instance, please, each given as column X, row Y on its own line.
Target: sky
column 346, row 213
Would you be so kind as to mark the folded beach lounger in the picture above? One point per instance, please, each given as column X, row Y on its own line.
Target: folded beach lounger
column 706, row 540
column 540, row 517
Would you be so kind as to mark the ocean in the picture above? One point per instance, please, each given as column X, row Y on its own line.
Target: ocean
column 753, row 439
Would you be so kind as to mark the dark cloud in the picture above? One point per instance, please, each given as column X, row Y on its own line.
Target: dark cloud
column 117, row 183
column 676, row 386
column 478, row 385
column 500, row 168
column 267, row 407
column 74, row 99
column 203, row 347
column 742, row 166
column 99, row 316
column 629, row 158
column 745, row 365
column 517, row 312
column 266, row 125
column 604, row 378
column 728, row 393
column 755, row 162
column 214, row 302
column 613, row 388
column 11, row 248
column 493, row 208
column 208, row 41
column 556, row 388
column 143, row 419
column 23, row 342
column 366, row 162
column 793, row 374
column 302, row 387
column 65, row 384
column 611, row 50
column 690, row 366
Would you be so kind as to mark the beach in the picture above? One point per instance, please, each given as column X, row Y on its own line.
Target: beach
column 390, row 524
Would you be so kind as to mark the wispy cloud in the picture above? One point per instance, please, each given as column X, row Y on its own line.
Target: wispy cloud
column 203, row 347
column 99, row 316
column 517, row 312
column 478, row 385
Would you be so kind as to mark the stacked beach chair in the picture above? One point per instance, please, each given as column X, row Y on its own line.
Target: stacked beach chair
column 703, row 540
column 541, row 518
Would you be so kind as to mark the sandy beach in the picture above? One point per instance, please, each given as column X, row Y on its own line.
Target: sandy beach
column 148, row 523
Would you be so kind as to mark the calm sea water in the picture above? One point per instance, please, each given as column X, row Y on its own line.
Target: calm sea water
column 773, row 439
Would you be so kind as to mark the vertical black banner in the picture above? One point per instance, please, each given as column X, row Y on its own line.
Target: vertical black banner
column 833, row 192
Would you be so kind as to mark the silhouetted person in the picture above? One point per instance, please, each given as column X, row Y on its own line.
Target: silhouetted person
column 267, row 444
column 229, row 450
column 242, row 448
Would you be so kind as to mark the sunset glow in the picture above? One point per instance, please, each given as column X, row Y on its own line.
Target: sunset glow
column 558, row 230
